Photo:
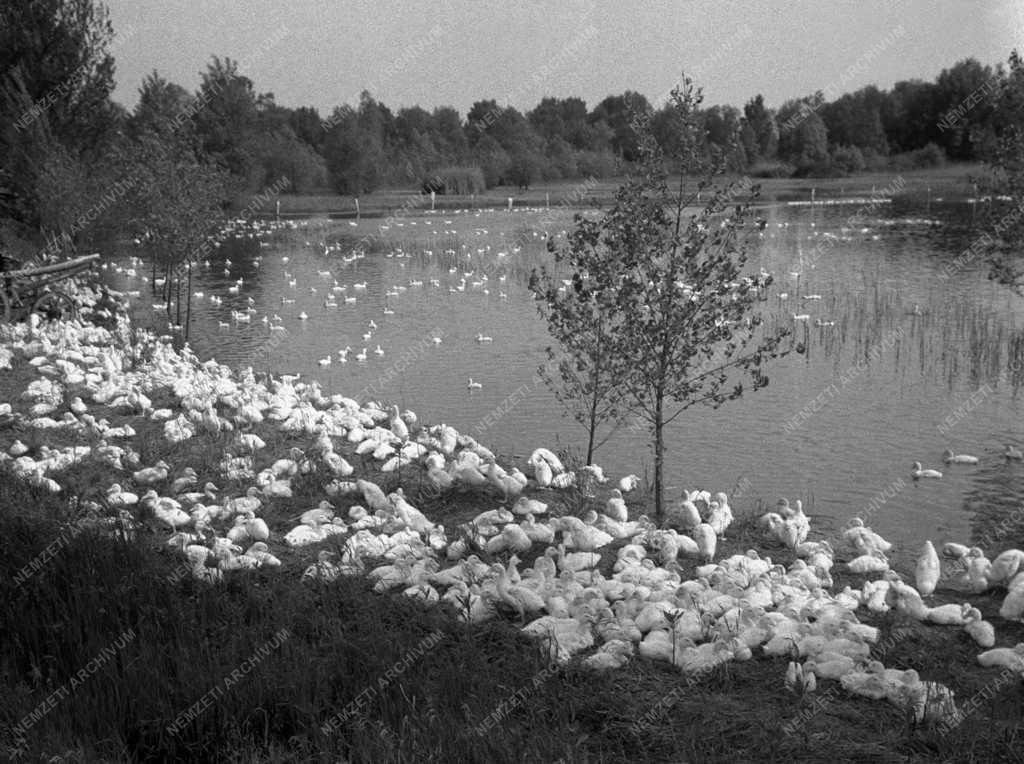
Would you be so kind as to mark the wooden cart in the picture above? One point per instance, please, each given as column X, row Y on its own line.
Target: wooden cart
column 33, row 290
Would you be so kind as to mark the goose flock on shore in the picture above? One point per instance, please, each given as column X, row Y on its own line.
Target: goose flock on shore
column 602, row 588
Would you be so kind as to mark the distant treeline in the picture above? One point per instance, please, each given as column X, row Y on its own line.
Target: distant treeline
column 186, row 156
column 359, row 148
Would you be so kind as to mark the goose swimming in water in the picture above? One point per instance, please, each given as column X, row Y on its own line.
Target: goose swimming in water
column 919, row 472
column 950, row 458
column 1013, row 453
column 471, row 385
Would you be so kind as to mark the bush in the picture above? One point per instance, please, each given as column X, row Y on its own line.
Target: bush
column 875, row 161
column 597, row 164
column 455, row 180
column 929, row 155
column 523, row 169
column 847, row 159
column 768, row 169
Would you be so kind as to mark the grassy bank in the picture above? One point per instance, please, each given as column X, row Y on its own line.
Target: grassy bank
column 951, row 182
column 111, row 650
column 336, row 672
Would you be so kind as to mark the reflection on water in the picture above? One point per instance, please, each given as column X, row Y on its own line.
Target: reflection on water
column 909, row 350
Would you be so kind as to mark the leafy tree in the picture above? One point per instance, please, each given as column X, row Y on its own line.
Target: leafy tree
column 1007, row 177
column 177, row 207
column 282, row 160
column 953, row 89
column 160, row 102
column 803, row 137
column 56, row 76
column 228, row 117
column 617, row 112
column 355, row 146
column 911, row 115
column 492, row 159
column 450, row 138
column 855, row 119
column 308, row 127
column 561, row 118
column 661, row 304
column 523, row 170
column 762, row 123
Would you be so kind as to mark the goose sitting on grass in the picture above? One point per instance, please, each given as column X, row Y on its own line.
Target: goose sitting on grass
column 150, row 475
column 864, row 540
column 166, row 510
column 576, row 561
column 562, row 637
column 1006, row 657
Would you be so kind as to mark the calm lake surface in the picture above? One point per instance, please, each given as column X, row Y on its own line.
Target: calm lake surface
column 924, row 354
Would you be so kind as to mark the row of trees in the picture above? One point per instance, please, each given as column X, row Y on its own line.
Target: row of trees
column 64, row 142
column 359, row 148
column 59, row 75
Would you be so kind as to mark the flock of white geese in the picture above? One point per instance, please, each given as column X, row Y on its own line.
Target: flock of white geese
column 602, row 588
column 326, row 292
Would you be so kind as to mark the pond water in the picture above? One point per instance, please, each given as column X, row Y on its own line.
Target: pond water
column 919, row 352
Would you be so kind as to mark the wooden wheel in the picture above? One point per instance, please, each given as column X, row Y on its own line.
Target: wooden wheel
column 54, row 305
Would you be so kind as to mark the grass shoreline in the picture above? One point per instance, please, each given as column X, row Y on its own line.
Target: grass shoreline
column 950, row 183
column 267, row 667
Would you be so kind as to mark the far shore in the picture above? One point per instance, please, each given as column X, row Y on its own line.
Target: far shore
column 950, row 183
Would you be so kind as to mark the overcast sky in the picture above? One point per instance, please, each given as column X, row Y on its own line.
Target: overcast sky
column 454, row 52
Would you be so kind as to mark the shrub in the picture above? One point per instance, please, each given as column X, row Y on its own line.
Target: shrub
column 929, row 155
column 455, row 180
column 847, row 159
column 598, row 164
column 768, row 169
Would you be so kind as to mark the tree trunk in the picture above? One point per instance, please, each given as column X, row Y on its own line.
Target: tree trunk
column 592, row 429
column 188, row 302
column 595, row 400
column 659, row 453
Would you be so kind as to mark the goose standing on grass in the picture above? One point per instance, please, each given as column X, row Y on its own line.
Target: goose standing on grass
column 980, row 631
column 927, row 570
column 542, row 472
column 398, row 425
column 950, row 458
column 615, row 507
column 522, row 598
column 706, row 540
column 629, row 483
column 919, row 472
